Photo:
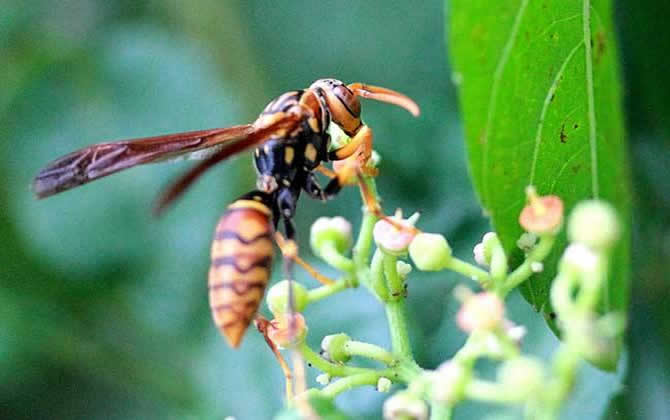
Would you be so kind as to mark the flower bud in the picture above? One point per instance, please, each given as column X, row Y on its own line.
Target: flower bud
column 403, row 405
column 335, row 230
column 482, row 311
column 392, row 239
column 542, row 215
column 332, row 347
column 287, row 331
column 480, row 257
column 594, row 223
column 526, row 241
column 591, row 343
column 384, row 384
column 430, row 252
column 449, row 382
column 579, row 258
column 403, row 268
column 323, row 379
column 514, row 332
column 522, row 376
column 278, row 297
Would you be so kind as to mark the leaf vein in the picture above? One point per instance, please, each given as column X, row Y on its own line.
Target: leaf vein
column 497, row 77
column 545, row 106
column 586, row 23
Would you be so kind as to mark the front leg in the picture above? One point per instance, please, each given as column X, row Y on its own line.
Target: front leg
column 313, row 189
column 360, row 146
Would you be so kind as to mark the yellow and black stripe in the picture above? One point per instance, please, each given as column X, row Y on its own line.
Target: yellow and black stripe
column 241, row 263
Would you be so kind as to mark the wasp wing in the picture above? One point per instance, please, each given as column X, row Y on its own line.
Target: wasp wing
column 99, row 160
column 275, row 126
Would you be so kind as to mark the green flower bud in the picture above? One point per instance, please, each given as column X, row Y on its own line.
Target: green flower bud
column 594, row 223
column 430, row 252
column 526, row 241
column 335, row 230
column 403, row 405
column 522, row 376
column 277, row 297
column 333, row 347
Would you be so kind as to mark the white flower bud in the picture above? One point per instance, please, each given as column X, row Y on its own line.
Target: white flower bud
column 448, row 382
column 404, row 405
column 430, row 252
column 579, row 257
column 403, row 268
column 482, row 311
column 326, row 229
column 384, row 384
column 594, row 223
column 480, row 258
column 323, row 379
column 522, row 376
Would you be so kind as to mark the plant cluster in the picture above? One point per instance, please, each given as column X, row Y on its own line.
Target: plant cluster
column 539, row 386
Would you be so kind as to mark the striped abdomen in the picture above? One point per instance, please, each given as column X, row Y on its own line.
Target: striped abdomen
column 241, row 262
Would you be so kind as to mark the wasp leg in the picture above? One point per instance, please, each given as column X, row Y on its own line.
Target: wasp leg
column 361, row 145
column 263, row 325
column 325, row 171
column 373, row 206
column 290, row 249
column 313, row 189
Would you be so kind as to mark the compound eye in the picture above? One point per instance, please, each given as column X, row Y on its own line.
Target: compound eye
column 348, row 99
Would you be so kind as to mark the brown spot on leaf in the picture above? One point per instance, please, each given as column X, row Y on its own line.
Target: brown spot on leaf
column 600, row 46
column 564, row 136
column 575, row 168
column 576, row 126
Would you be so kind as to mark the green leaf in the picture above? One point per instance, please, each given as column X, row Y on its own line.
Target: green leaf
column 541, row 101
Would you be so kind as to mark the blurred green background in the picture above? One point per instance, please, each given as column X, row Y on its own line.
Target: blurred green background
column 103, row 310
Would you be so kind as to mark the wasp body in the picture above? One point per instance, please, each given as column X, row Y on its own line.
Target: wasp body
column 291, row 137
column 241, row 262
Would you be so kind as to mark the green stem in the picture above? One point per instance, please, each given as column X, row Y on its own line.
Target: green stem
column 395, row 312
column 328, row 367
column 481, row 390
column 332, row 256
column 524, row 271
column 345, row 384
column 440, row 410
column 358, row 348
column 318, row 293
column 361, row 253
column 498, row 266
column 565, row 367
column 394, row 282
column 395, row 309
column 470, row 271
column 377, row 284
